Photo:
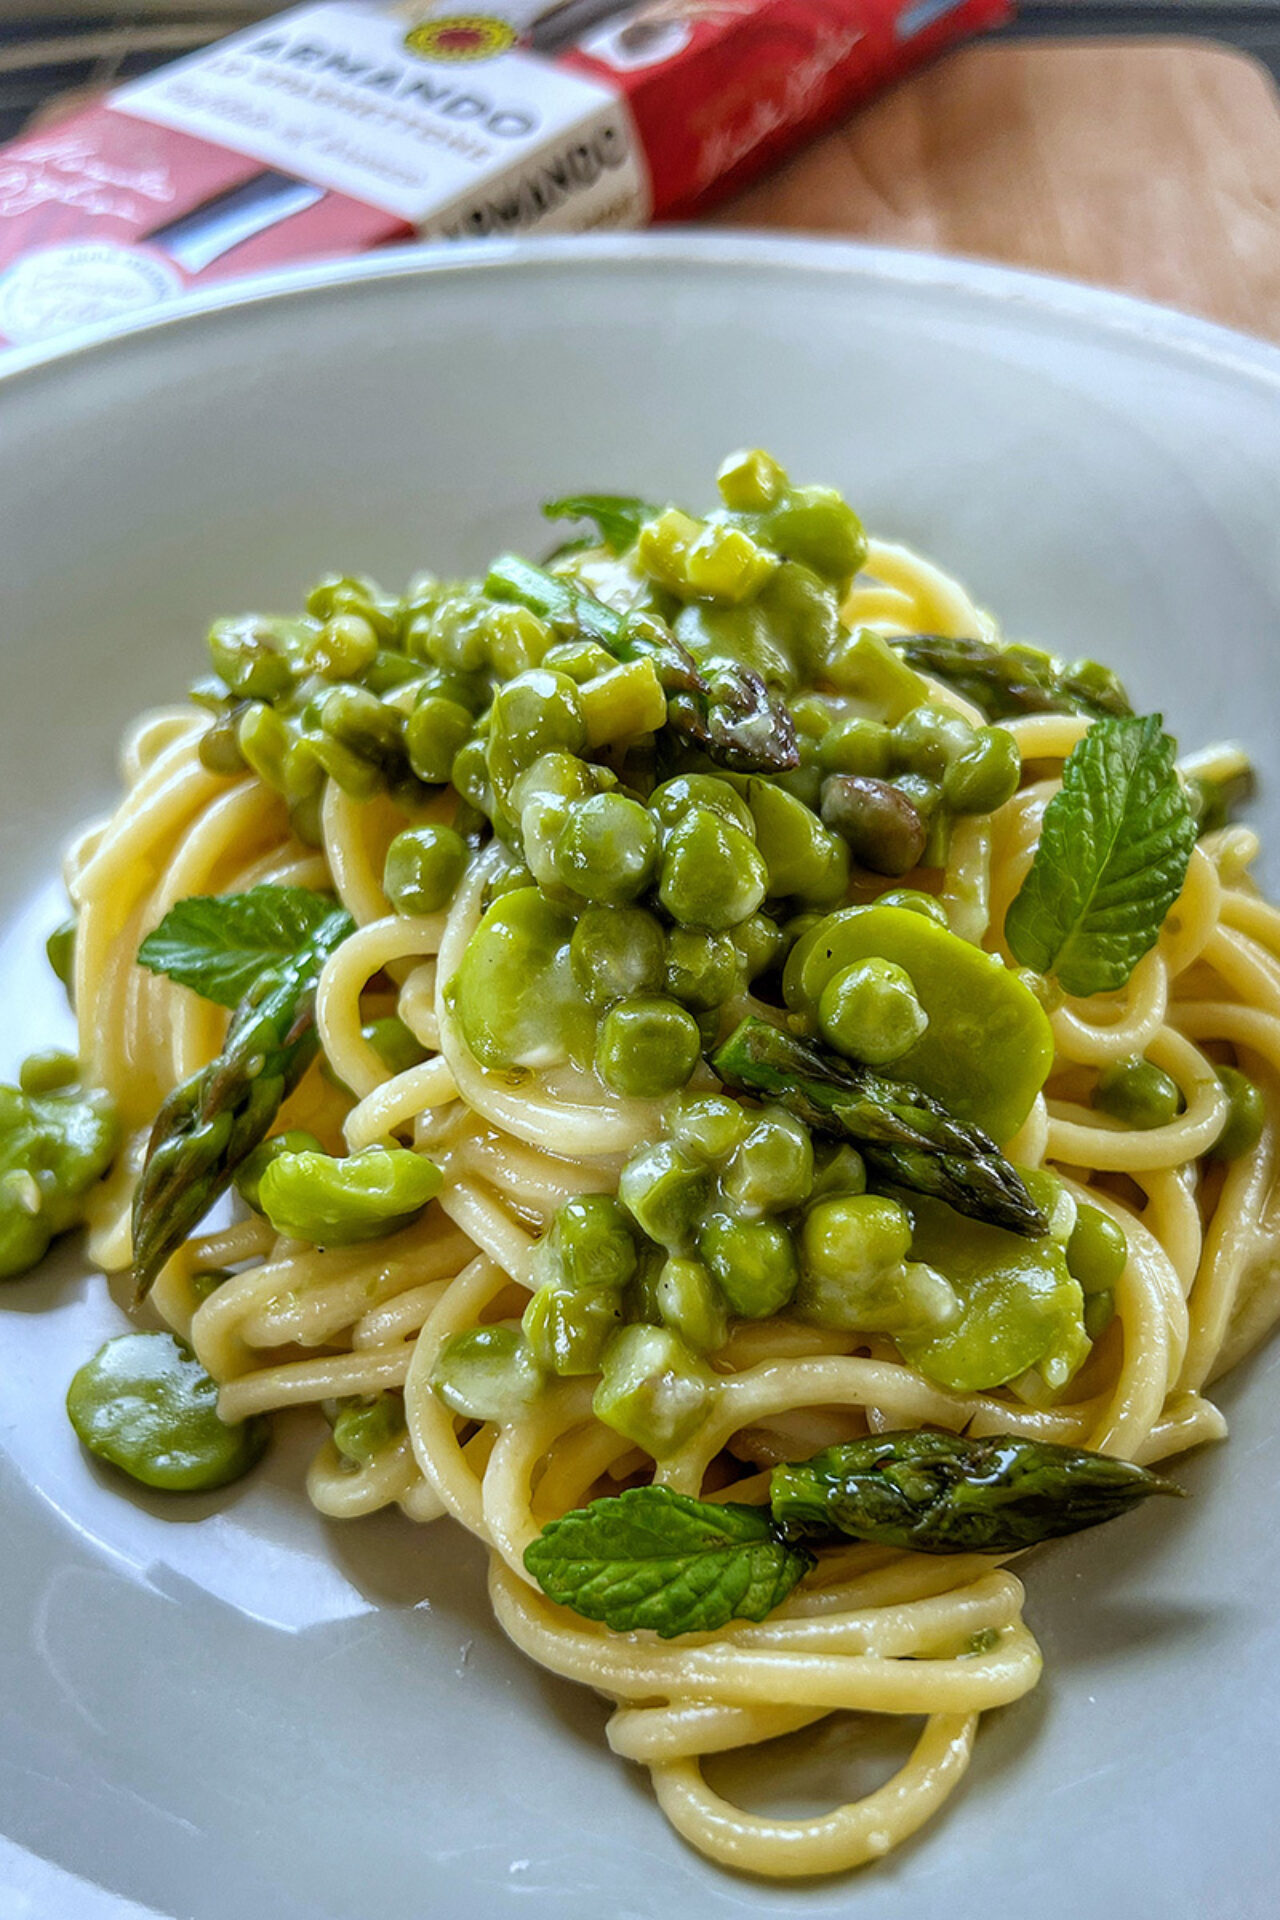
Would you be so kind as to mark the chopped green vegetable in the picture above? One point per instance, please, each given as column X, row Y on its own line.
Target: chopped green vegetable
column 650, row 1558
column 1114, row 847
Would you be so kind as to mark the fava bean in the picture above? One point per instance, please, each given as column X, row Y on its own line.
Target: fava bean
column 145, row 1405
column 311, row 1196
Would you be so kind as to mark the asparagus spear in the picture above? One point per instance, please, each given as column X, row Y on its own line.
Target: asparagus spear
column 727, row 710
column 904, row 1135
column 1006, row 681
column 943, row 1493
column 211, row 1121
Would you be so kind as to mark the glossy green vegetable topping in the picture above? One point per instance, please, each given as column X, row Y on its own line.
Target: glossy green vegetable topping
column 1019, row 1306
column 53, row 1148
column 487, row 1373
column 311, row 1196
column 1246, row 1116
column 986, row 1046
column 146, row 1405
column 365, row 1427
column 515, row 995
column 1138, row 1093
column 654, row 1389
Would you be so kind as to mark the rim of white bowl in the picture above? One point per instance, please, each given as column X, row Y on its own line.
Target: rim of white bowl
column 1039, row 297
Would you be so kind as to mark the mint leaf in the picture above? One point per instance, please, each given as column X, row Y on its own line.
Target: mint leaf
column 657, row 1559
column 1112, row 859
column 619, row 516
column 219, row 945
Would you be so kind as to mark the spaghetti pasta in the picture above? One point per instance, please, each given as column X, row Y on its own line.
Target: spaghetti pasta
column 874, row 1629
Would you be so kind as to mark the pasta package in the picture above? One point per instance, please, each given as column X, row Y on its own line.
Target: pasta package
column 343, row 126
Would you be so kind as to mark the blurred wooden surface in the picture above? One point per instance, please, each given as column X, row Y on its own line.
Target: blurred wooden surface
column 1150, row 166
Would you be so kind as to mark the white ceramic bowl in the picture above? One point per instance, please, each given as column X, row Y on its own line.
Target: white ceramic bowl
column 262, row 1715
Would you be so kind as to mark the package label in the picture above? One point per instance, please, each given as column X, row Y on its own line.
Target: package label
column 356, row 99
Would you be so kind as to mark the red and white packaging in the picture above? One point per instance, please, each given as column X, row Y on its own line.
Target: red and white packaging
column 348, row 125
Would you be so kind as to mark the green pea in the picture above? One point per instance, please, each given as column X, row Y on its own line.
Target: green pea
column 470, row 775
column 927, row 904
column 536, row 713
column 647, row 1046
column 709, row 1126
column 753, row 1261
column 1099, row 1312
column 395, row 1045
column 1097, row 1251
column 517, row 640
column 594, row 1244
column 356, row 774
column 434, row 733
column 616, row 952
column 924, row 794
column 365, row 725
column 884, row 830
column 670, row 802
column 366, row 1427
column 870, row 1012
column 145, row 1405
column 471, row 691
column 838, row 1170
column 53, row 1147
column 803, row 783
column 666, row 1193
column 772, row 1170
column 423, row 868
column 854, row 1236
column 568, row 1328
column 60, row 950
column 1137, row 1092
column 702, row 968
column 248, row 1175
column 690, row 1303
column 759, row 942
column 608, row 849
column 654, row 1389
column 311, row 1196
column 264, row 741
column 985, row 775
column 1246, row 1116
column 582, row 660
column 339, row 594
column 813, row 716
column 344, row 648
column 803, row 860
column 711, row 874
column 247, row 653
column 487, row 1373
column 927, row 740
column 856, row 745
column 49, row 1071
column 390, row 671
column 219, row 745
